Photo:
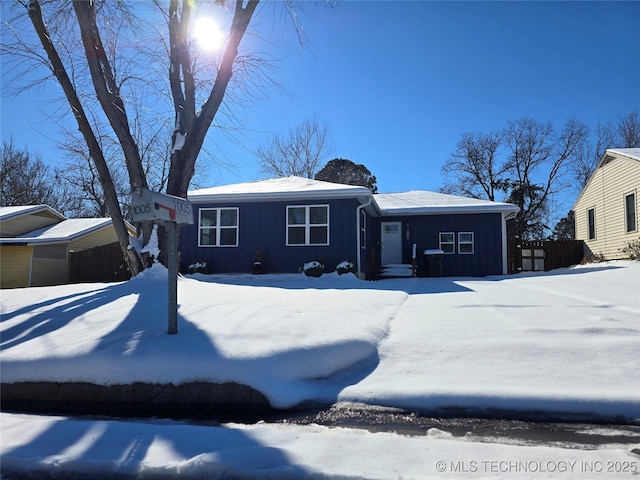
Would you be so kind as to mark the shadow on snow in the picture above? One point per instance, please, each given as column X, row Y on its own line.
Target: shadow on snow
column 77, row 448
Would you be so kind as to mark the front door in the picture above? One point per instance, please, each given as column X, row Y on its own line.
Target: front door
column 391, row 243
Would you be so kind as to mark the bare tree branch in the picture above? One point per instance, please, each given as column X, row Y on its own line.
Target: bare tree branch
column 300, row 153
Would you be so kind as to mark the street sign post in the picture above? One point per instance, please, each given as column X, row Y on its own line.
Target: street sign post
column 171, row 212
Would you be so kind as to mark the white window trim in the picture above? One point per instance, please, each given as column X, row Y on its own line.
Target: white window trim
column 219, row 227
column 595, row 226
column 635, row 204
column 452, row 243
column 472, row 243
column 307, row 226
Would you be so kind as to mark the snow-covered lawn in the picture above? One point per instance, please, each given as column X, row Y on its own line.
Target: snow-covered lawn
column 565, row 341
column 560, row 341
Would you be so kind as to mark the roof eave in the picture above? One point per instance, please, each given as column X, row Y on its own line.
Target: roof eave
column 32, row 242
column 445, row 210
column 276, row 196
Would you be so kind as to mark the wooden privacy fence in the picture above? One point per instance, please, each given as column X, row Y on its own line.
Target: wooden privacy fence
column 543, row 255
column 99, row 264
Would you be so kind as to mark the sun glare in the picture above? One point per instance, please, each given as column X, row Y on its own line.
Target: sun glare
column 208, row 34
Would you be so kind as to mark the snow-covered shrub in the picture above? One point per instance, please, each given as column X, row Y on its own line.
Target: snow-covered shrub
column 632, row 249
column 313, row 269
column 345, row 267
column 199, row 267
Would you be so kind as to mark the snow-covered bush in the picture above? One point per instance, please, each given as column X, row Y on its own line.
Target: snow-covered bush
column 313, row 269
column 345, row 267
column 199, row 267
column 632, row 249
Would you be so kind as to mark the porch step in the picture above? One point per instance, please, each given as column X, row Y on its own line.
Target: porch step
column 396, row 271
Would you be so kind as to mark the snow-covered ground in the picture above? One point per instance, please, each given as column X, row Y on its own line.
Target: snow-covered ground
column 565, row 341
column 166, row 449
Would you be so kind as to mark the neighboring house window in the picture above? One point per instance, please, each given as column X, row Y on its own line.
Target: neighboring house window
column 308, row 225
column 218, row 227
column 447, row 242
column 465, row 242
column 363, row 229
column 591, row 223
column 630, row 212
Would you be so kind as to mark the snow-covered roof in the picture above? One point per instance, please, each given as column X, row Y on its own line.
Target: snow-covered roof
column 406, row 203
column 7, row 213
column 423, row 202
column 60, row 232
column 633, row 153
column 277, row 189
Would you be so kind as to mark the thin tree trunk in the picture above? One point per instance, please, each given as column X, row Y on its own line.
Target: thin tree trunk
column 131, row 257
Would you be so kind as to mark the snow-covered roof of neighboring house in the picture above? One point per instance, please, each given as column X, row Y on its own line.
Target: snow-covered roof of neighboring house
column 7, row 213
column 277, row 189
column 633, row 153
column 60, row 232
column 423, row 202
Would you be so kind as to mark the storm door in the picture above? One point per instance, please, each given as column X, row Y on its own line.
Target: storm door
column 391, row 243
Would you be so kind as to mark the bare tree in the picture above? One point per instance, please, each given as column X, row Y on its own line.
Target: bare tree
column 623, row 134
column 527, row 162
column 25, row 179
column 537, row 161
column 300, row 153
column 79, row 172
column 475, row 169
column 628, row 131
column 590, row 153
column 98, row 24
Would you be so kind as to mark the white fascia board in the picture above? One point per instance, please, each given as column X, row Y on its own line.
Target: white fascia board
column 277, row 196
column 7, row 213
column 450, row 209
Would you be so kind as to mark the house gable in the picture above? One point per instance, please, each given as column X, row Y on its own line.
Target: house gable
column 606, row 212
column 18, row 220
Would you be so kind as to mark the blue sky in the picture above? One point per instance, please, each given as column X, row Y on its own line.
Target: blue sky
column 399, row 82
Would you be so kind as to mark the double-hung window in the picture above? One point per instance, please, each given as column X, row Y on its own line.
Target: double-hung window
column 447, row 242
column 630, row 212
column 308, row 225
column 218, row 227
column 465, row 242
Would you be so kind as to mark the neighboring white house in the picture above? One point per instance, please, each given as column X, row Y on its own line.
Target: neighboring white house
column 606, row 212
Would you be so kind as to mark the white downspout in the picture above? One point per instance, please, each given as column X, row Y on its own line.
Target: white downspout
column 358, row 210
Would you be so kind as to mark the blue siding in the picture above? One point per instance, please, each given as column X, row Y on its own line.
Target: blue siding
column 424, row 232
column 262, row 226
